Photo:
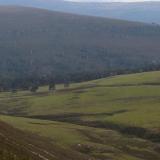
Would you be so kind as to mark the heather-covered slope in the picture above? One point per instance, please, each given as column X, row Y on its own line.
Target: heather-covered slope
column 138, row 11
column 38, row 44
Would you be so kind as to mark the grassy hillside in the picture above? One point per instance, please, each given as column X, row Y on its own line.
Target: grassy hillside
column 133, row 94
column 111, row 118
column 39, row 45
column 19, row 145
column 88, row 142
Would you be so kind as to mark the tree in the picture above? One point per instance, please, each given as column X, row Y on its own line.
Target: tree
column 34, row 88
column 13, row 90
column 66, row 84
column 52, row 87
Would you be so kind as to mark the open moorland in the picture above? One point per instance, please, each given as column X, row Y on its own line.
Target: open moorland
column 115, row 118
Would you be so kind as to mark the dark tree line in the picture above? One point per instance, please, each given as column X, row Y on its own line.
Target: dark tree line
column 33, row 82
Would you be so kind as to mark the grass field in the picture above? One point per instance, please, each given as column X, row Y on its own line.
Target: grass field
column 115, row 118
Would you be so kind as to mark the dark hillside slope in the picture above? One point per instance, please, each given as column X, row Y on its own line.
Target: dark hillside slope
column 138, row 11
column 39, row 43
